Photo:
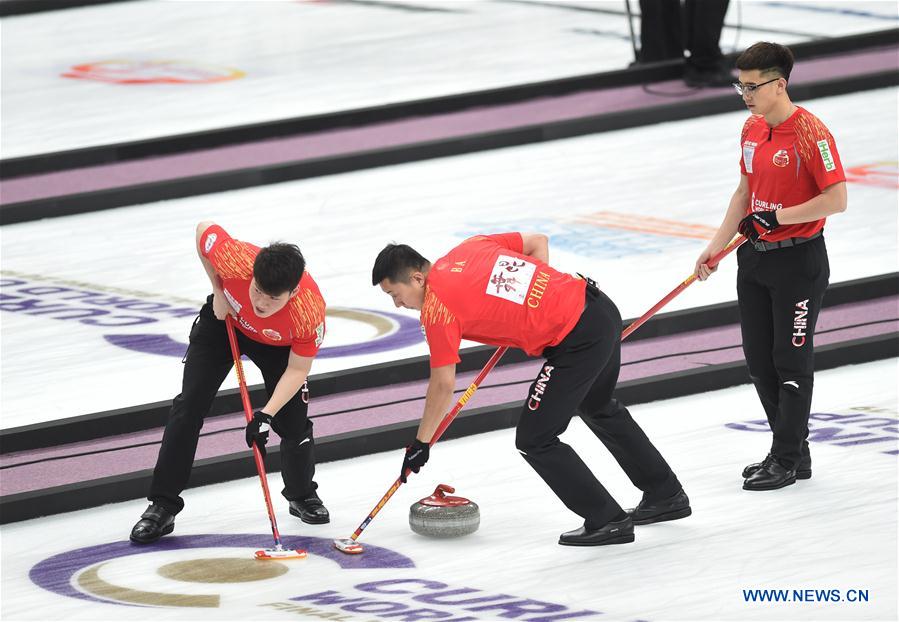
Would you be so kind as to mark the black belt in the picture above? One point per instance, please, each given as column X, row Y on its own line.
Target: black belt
column 592, row 290
column 763, row 245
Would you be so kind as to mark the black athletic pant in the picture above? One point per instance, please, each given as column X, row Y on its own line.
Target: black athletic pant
column 666, row 30
column 206, row 365
column 779, row 293
column 579, row 375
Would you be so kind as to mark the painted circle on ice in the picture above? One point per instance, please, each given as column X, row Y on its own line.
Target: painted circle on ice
column 222, row 570
column 392, row 332
column 56, row 573
column 121, row 71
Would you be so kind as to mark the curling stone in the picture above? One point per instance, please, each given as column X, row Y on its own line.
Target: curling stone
column 441, row 516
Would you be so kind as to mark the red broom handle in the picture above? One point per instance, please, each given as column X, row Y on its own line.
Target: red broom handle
column 248, row 412
column 711, row 263
column 463, row 399
column 448, row 418
column 444, row 424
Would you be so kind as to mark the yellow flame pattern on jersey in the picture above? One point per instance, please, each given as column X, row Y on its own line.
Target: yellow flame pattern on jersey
column 752, row 120
column 434, row 312
column 234, row 259
column 809, row 130
column 307, row 311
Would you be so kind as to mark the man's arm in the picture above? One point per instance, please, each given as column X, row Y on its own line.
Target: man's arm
column 437, row 401
column 220, row 306
column 726, row 231
column 535, row 245
column 832, row 200
column 291, row 380
column 207, row 265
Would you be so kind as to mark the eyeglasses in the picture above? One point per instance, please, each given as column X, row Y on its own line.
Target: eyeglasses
column 741, row 88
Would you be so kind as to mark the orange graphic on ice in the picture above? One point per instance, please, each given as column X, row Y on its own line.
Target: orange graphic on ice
column 153, row 72
column 646, row 224
column 880, row 174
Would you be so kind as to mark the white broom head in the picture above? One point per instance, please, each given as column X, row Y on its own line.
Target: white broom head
column 348, row 546
column 281, row 554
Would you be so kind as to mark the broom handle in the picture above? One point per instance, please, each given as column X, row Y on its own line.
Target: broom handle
column 248, row 413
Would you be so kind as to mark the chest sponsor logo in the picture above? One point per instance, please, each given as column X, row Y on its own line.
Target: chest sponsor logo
column 826, row 157
column 510, row 277
column 271, row 334
column 781, row 158
column 748, row 153
column 758, row 205
column 210, row 242
column 247, row 325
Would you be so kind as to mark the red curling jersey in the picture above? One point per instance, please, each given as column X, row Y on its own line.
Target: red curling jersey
column 300, row 324
column 788, row 165
column 486, row 290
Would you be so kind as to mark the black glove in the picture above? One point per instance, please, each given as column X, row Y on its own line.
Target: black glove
column 415, row 458
column 765, row 220
column 257, row 430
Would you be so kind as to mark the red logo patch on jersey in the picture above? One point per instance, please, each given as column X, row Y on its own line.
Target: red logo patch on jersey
column 781, row 158
column 272, row 334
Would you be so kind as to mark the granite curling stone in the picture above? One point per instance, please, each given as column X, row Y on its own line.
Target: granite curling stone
column 442, row 516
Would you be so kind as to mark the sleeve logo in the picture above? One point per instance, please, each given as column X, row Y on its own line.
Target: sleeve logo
column 510, row 277
column 824, row 148
column 319, row 334
column 210, row 242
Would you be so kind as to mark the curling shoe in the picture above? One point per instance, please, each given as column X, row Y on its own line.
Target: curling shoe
column 613, row 532
column 674, row 507
column 153, row 524
column 803, row 469
column 310, row 510
column 771, row 476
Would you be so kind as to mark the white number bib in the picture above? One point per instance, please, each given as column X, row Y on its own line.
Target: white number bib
column 748, row 152
column 510, row 278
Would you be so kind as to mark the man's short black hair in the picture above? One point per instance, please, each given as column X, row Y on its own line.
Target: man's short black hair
column 278, row 268
column 396, row 262
column 768, row 58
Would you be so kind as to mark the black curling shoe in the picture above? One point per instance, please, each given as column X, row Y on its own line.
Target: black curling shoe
column 674, row 507
column 803, row 469
column 613, row 532
column 771, row 476
column 153, row 524
column 310, row 510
